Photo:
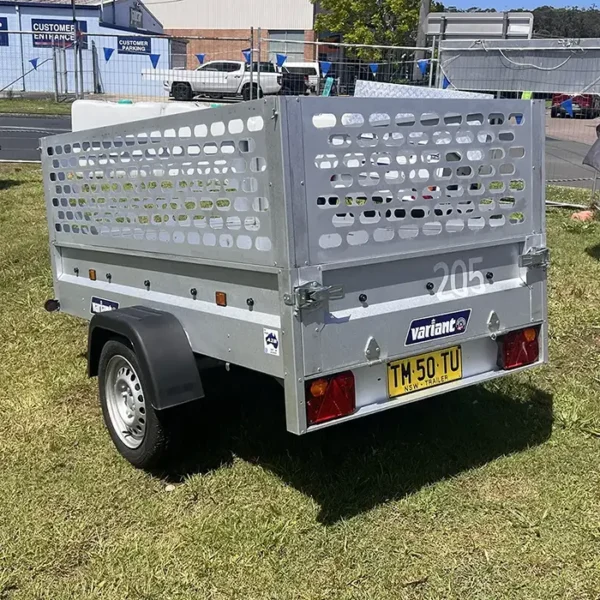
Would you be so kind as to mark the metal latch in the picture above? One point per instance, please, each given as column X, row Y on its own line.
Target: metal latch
column 535, row 257
column 311, row 295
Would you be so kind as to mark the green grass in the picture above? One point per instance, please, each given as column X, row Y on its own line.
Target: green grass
column 32, row 106
column 491, row 493
column 569, row 195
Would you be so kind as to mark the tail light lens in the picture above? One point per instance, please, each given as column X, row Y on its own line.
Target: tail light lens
column 330, row 397
column 519, row 348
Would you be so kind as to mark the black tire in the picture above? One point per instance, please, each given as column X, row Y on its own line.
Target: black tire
column 182, row 91
column 152, row 450
column 256, row 92
column 554, row 112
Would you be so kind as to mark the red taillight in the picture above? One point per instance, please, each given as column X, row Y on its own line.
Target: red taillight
column 330, row 397
column 519, row 348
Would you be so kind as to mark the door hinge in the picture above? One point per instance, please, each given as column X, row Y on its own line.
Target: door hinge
column 311, row 295
column 535, row 257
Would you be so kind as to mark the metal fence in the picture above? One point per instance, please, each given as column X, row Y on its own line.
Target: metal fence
column 565, row 73
column 344, row 64
column 141, row 67
column 109, row 67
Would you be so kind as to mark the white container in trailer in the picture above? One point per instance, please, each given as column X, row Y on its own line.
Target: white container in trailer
column 89, row 114
column 366, row 252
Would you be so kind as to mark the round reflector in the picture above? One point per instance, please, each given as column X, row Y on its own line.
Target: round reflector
column 318, row 387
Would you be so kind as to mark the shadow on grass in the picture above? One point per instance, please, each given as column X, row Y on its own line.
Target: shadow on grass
column 6, row 184
column 593, row 251
column 356, row 466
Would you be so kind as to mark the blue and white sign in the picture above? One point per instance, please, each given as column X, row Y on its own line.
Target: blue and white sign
column 271, row 341
column 133, row 44
column 3, row 30
column 56, row 32
column 438, row 326
column 100, row 305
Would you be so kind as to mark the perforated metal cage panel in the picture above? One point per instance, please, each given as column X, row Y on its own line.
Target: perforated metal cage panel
column 387, row 176
column 365, row 178
column 194, row 185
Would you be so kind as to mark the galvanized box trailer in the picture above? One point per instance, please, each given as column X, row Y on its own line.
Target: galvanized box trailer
column 366, row 252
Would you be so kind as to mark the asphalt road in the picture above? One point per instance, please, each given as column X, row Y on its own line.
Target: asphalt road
column 563, row 162
column 20, row 135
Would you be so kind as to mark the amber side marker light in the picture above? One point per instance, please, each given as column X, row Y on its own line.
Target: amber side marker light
column 329, row 398
column 519, row 348
column 92, row 274
column 221, row 298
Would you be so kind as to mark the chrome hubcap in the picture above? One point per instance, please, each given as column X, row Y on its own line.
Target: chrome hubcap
column 125, row 401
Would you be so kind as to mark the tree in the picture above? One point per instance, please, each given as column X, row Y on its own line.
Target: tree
column 566, row 22
column 383, row 22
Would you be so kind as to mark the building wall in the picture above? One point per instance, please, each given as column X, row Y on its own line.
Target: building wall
column 121, row 11
column 120, row 76
column 234, row 14
column 215, row 47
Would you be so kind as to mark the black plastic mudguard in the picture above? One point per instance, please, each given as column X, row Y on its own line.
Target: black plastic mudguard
column 162, row 348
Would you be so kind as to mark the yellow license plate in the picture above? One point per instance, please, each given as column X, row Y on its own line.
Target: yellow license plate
column 424, row 371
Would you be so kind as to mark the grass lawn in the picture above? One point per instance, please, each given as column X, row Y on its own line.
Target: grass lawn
column 34, row 106
column 491, row 493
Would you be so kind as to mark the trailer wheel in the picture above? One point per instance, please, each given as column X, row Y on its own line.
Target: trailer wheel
column 182, row 91
column 136, row 429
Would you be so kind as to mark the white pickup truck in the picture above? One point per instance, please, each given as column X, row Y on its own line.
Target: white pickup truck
column 219, row 79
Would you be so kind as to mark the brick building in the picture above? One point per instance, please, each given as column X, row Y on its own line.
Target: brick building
column 225, row 25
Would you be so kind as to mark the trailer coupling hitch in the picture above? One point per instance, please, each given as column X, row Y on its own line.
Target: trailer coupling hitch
column 312, row 294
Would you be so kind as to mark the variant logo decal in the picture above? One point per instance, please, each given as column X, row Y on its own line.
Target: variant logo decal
column 437, row 327
column 100, row 305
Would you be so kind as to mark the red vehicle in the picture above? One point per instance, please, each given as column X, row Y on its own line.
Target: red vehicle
column 584, row 105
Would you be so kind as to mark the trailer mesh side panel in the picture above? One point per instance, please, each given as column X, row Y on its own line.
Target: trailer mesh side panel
column 388, row 177
column 194, row 184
